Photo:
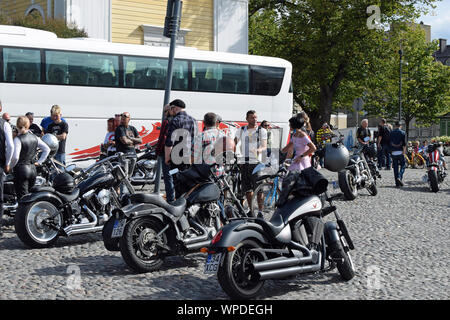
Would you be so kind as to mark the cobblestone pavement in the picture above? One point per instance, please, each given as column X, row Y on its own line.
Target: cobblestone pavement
column 402, row 251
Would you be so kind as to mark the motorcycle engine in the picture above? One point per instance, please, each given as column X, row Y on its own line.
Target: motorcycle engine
column 149, row 164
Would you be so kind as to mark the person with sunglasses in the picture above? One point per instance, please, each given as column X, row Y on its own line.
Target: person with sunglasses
column 126, row 139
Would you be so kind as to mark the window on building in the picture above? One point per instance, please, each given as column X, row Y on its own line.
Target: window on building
column 267, row 80
column 21, row 65
column 218, row 77
column 76, row 68
column 151, row 73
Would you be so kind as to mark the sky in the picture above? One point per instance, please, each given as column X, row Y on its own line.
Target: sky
column 439, row 19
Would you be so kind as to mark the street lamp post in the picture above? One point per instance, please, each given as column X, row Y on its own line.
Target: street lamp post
column 400, row 52
column 171, row 26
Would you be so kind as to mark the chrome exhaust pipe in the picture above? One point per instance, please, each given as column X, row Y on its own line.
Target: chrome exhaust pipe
column 281, row 263
column 286, row 272
column 81, row 226
column 85, row 230
column 194, row 240
column 198, row 245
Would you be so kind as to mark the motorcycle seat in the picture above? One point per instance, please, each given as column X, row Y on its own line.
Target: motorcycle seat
column 274, row 226
column 70, row 196
column 41, row 188
column 177, row 209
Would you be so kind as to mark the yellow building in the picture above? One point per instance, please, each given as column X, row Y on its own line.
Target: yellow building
column 215, row 25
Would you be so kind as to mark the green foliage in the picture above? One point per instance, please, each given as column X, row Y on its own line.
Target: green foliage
column 444, row 139
column 330, row 46
column 58, row 26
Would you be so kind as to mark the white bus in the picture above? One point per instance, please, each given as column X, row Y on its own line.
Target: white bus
column 92, row 80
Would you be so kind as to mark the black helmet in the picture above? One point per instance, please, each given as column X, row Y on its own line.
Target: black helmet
column 336, row 157
column 370, row 150
column 63, row 183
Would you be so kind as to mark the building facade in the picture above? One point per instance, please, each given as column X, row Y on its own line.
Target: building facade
column 213, row 25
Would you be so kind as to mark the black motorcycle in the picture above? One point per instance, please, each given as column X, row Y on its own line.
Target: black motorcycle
column 149, row 229
column 71, row 206
column 361, row 172
column 296, row 240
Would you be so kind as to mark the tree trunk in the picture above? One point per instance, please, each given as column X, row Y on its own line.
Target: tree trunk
column 323, row 113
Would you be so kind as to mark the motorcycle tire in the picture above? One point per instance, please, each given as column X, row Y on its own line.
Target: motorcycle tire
column 347, row 184
column 135, row 252
column 372, row 189
column 35, row 236
column 433, row 181
column 344, row 263
column 237, row 280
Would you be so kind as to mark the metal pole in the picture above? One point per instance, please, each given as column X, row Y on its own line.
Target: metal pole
column 175, row 22
column 400, row 86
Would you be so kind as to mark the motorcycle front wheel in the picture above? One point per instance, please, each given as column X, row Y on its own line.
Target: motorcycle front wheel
column 38, row 224
column 347, row 184
column 140, row 245
column 372, row 189
column 345, row 266
column 236, row 275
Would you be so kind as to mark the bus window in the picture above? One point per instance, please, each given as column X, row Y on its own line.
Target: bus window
column 218, row 77
column 151, row 73
column 267, row 80
column 76, row 68
column 21, row 65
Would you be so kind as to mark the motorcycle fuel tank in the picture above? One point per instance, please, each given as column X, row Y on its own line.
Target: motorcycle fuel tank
column 298, row 207
column 100, row 180
column 205, row 193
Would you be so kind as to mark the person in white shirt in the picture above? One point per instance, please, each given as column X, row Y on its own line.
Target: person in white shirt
column 253, row 144
column 6, row 152
column 109, row 144
column 23, row 161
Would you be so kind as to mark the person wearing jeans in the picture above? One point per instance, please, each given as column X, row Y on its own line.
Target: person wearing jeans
column 397, row 140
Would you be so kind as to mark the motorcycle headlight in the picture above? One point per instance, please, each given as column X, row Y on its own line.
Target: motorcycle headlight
column 104, row 196
column 39, row 181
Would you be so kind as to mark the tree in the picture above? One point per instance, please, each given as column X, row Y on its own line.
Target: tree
column 329, row 44
column 425, row 85
column 58, row 26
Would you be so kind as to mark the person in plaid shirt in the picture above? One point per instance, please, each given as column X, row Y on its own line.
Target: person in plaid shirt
column 204, row 142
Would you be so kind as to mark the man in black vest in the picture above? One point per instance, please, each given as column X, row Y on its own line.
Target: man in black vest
column 383, row 144
column 6, row 152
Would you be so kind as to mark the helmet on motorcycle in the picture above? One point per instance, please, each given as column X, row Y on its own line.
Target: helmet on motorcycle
column 336, row 157
column 224, row 149
column 63, row 182
column 370, row 150
column 52, row 143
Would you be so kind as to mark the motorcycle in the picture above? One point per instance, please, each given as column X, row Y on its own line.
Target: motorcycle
column 149, row 229
column 361, row 172
column 436, row 173
column 50, row 212
column 296, row 240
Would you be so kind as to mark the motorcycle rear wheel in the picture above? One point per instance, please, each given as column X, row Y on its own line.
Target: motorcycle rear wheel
column 236, row 276
column 347, row 184
column 433, row 180
column 30, row 227
column 138, row 247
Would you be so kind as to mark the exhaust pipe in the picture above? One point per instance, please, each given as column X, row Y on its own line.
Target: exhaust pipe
column 86, row 230
column 83, row 227
column 281, row 263
column 286, row 272
column 198, row 245
column 194, row 240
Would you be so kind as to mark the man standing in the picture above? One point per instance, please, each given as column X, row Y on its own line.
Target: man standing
column 48, row 120
column 383, row 144
column 397, row 145
column 6, row 153
column 363, row 134
column 126, row 138
column 60, row 129
column 168, row 180
column 33, row 126
column 253, row 141
column 180, row 137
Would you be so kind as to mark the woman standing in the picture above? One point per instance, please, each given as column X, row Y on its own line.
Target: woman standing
column 26, row 146
column 300, row 144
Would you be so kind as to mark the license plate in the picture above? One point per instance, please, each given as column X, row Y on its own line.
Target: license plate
column 212, row 263
column 119, row 226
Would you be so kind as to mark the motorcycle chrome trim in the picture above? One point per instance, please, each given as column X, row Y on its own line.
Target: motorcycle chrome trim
column 83, row 227
column 286, row 272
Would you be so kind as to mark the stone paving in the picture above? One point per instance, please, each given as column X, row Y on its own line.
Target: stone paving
column 402, row 251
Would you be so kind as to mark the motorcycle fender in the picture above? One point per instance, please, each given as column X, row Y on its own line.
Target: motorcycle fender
column 41, row 196
column 237, row 231
column 139, row 210
column 331, row 232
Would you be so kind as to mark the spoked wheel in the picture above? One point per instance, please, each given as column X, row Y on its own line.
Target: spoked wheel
column 236, row 275
column 347, row 184
column 141, row 245
column 266, row 196
column 38, row 224
column 340, row 253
